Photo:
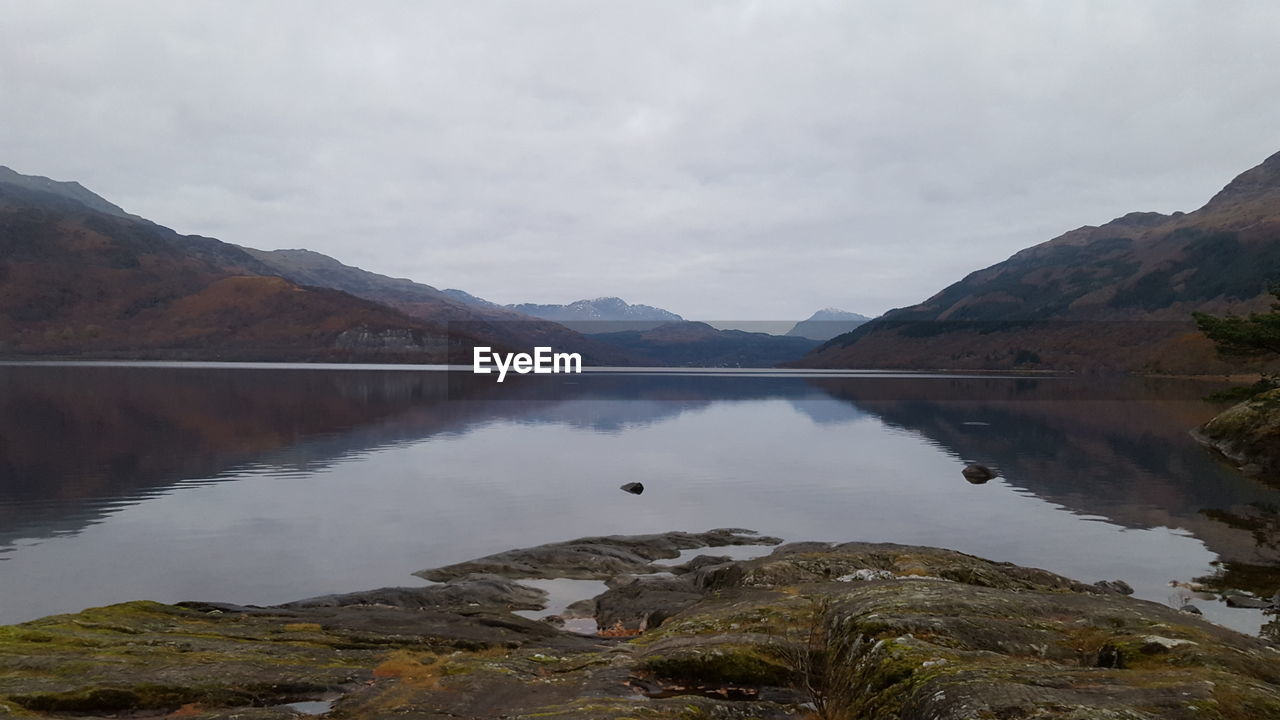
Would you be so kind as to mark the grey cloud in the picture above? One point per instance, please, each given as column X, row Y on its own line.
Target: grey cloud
column 725, row 160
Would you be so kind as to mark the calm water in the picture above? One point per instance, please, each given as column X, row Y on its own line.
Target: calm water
column 268, row 484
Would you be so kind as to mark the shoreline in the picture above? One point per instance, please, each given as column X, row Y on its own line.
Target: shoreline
column 160, row 360
column 925, row 633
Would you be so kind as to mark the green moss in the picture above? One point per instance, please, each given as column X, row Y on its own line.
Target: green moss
column 721, row 664
column 153, row 697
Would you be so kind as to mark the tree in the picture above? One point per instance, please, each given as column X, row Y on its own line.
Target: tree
column 1254, row 336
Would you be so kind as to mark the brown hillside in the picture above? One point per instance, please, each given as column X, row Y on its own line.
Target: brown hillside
column 78, row 282
column 424, row 302
column 1115, row 297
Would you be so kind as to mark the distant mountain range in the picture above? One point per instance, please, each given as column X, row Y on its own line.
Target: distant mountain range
column 653, row 336
column 477, row 318
column 601, row 315
column 81, row 277
column 827, row 323
column 1115, row 297
column 696, row 344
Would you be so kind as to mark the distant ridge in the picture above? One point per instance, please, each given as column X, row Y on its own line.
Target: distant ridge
column 601, row 315
column 445, row 308
column 827, row 323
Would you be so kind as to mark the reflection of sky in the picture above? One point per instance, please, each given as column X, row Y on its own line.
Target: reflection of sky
column 812, row 468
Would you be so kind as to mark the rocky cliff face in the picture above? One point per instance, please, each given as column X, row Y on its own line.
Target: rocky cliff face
column 1112, row 297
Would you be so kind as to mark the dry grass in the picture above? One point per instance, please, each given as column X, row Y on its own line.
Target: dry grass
column 420, row 671
column 823, row 654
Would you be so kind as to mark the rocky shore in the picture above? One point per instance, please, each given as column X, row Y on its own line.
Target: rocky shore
column 1248, row 434
column 854, row 630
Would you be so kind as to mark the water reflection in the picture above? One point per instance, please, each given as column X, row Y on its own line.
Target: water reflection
column 1119, row 451
column 265, row 485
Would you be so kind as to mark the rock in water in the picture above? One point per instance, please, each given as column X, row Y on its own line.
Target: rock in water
column 597, row 558
column 1240, row 600
column 978, row 474
column 634, row 488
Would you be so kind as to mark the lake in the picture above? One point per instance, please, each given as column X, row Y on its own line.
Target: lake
column 264, row 484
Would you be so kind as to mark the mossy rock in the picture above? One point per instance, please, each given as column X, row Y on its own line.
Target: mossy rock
column 721, row 664
column 924, row 634
column 1248, row 434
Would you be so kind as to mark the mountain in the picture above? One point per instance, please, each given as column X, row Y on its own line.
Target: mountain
column 826, row 324
column 696, row 344
column 479, row 319
column 602, row 315
column 80, row 277
column 656, row 337
column 1113, row 297
column 68, row 190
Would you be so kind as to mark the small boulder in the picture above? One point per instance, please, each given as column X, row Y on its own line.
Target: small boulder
column 1118, row 587
column 634, row 488
column 1241, row 600
column 977, row 473
column 1155, row 644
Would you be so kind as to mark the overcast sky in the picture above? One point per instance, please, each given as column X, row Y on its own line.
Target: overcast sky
column 724, row 160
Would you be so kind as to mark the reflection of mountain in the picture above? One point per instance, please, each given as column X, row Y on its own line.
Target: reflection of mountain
column 1120, row 452
column 127, row 432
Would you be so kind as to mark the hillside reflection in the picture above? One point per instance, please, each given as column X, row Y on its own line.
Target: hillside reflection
column 1118, row 450
column 77, row 443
